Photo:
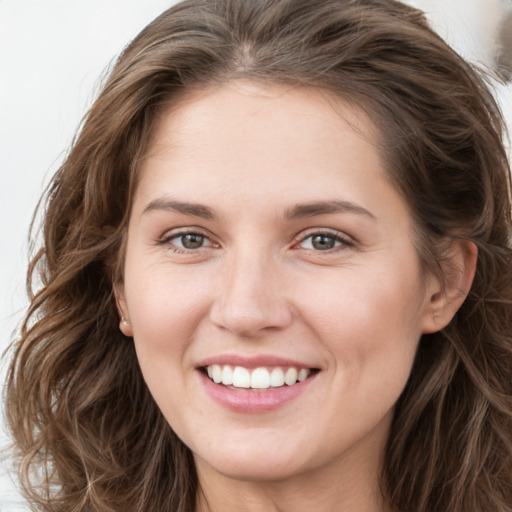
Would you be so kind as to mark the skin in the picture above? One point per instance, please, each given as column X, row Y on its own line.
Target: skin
column 250, row 154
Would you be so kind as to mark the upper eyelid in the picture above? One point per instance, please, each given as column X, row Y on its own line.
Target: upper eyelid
column 169, row 234
column 185, row 230
column 303, row 235
column 168, row 239
column 344, row 242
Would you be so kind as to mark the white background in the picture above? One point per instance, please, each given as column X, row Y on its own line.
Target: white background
column 52, row 54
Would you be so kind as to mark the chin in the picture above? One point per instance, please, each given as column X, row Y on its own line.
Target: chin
column 254, row 466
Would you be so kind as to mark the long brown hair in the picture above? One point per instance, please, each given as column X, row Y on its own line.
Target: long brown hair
column 89, row 436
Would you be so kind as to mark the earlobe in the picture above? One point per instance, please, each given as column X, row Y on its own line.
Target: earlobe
column 445, row 298
column 124, row 325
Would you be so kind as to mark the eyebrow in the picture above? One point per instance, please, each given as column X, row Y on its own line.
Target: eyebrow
column 326, row 207
column 298, row 211
column 194, row 209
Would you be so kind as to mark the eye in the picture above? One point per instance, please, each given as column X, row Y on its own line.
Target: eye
column 187, row 241
column 323, row 241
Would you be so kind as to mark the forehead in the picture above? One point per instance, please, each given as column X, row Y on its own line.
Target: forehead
column 235, row 121
column 249, row 148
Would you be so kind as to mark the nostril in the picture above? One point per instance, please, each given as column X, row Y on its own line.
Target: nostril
column 246, row 315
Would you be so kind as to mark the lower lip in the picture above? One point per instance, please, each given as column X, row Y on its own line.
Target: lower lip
column 254, row 402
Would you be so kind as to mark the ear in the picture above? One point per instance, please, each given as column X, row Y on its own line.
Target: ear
column 124, row 325
column 445, row 297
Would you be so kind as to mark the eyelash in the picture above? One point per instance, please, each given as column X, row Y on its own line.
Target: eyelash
column 168, row 241
column 342, row 241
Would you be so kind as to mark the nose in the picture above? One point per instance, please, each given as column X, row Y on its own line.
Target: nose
column 251, row 299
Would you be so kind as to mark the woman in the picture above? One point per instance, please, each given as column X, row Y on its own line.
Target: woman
column 276, row 275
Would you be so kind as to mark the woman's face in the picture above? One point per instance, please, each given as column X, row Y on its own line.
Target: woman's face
column 266, row 244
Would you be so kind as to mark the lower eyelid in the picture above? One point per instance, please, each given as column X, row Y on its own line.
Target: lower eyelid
column 169, row 238
column 341, row 240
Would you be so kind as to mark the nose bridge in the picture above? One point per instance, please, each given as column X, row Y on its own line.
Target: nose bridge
column 250, row 296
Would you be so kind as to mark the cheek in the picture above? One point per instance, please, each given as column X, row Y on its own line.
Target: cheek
column 159, row 296
column 360, row 302
column 164, row 312
column 370, row 323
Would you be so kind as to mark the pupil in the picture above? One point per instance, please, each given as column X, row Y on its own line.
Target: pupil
column 192, row 241
column 322, row 242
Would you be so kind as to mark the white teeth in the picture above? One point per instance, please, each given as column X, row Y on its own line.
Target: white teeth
column 241, row 377
column 227, row 375
column 217, row 373
column 277, row 378
column 303, row 374
column 259, row 378
column 290, row 376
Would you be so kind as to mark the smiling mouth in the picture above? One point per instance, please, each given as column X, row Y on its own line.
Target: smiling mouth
column 258, row 379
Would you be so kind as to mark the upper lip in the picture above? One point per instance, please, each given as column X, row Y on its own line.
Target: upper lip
column 253, row 361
